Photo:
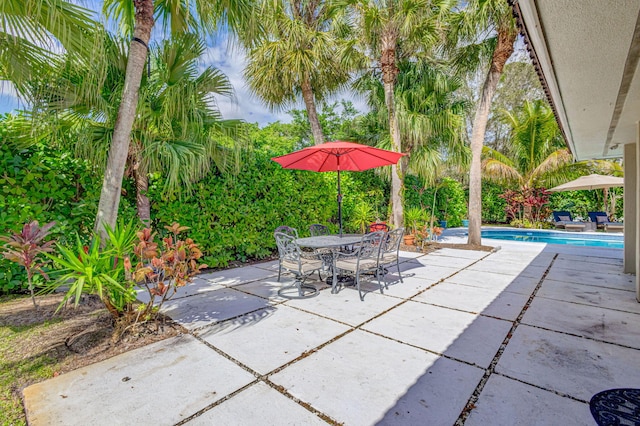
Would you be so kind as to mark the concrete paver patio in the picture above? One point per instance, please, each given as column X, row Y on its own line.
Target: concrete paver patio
column 523, row 335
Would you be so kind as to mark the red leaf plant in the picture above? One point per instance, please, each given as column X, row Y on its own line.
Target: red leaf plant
column 162, row 269
column 25, row 248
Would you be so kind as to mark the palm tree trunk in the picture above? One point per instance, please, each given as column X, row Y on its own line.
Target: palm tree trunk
column 112, row 182
column 397, row 218
column 389, row 74
column 503, row 51
column 314, row 121
column 143, row 204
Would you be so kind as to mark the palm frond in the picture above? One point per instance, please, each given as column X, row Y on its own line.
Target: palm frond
column 499, row 172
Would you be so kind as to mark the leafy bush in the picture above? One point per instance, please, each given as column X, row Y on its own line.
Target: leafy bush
column 109, row 271
column 415, row 219
column 47, row 184
column 162, row 269
column 361, row 217
column 493, row 206
column 450, row 202
column 91, row 269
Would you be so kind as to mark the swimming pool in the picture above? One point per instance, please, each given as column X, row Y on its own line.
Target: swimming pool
column 556, row 237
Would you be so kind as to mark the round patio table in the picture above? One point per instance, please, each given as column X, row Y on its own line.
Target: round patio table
column 333, row 243
column 616, row 407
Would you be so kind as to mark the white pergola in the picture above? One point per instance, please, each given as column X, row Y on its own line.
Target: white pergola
column 587, row 54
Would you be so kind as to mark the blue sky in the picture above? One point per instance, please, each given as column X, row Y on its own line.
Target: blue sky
column 229, row 60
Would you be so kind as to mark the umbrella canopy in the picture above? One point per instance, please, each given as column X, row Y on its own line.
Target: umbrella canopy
column 593, row 181
column 336, row 157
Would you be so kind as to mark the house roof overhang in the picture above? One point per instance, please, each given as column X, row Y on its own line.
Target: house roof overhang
column 587, row 56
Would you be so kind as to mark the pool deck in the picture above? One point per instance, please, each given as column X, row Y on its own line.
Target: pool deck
column 523, row 335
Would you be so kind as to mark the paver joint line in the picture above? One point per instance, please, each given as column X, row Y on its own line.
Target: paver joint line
column 216, row 403
column 473, row 399
column 264, row 378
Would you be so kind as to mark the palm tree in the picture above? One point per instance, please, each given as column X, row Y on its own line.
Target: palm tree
column 391, row 30
column 29, row 30
column 302, row 52
column 537, row 153
column 537, row 157
column 431, row 118
column 177, row 16
column 119, row 148
column 429, row 114
column 177, row 129
column 484, row 31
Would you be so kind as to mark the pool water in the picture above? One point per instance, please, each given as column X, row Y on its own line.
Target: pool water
column 551, row 237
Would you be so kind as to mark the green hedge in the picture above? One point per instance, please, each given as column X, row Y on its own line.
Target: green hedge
column 451, row 201
column 493, row 207
column 46, row 184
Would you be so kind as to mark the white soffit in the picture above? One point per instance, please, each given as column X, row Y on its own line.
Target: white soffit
column 583, row 48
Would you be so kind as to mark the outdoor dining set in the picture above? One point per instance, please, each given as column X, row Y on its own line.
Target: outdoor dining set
column 344, row 257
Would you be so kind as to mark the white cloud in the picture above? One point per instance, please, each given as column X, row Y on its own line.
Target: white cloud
column 231, row 61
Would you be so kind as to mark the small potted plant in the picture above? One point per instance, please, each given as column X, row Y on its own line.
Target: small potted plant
column 413, row 219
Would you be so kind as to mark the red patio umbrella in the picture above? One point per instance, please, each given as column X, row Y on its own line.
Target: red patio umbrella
column 338, row 156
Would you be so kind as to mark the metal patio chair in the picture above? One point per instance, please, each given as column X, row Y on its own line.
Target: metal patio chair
column 292, row 232
column 390, row 252
column 299, row 263
column 364, row 259
column 287, row 230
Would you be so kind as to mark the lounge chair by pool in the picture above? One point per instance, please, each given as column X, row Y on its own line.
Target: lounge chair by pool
column 562, row 218
column 602, row 222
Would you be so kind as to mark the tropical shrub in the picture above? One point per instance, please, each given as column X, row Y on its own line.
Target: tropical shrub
column 25, row 248
column 128, row 260
column 529, row 206
column 162, row 269
column 415, row 219
column 361, row 216
column 92, row 269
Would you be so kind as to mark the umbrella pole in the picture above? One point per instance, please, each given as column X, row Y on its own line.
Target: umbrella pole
column 339, row 204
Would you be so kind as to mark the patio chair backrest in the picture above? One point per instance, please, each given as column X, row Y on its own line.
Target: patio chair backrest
column 287, row 230
column 560, row 216
column 317, row 229
column 392, row 241
column 371, row 244
column 287, row 246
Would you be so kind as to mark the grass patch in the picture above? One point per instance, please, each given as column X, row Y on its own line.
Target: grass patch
column 17, row 372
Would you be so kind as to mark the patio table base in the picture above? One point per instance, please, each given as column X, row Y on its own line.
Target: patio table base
column 298, row 290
